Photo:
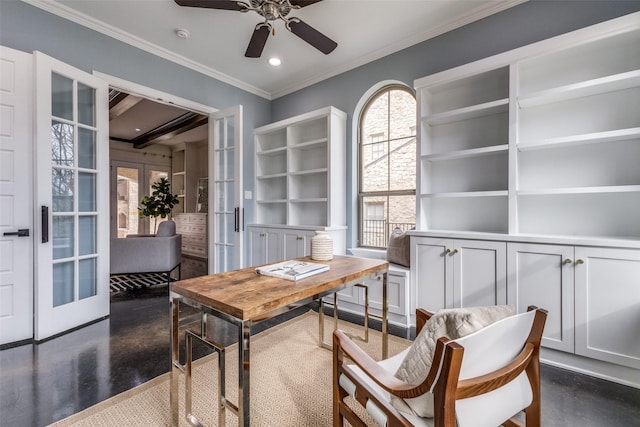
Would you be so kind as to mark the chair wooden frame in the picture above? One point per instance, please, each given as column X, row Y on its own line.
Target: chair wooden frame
column 444, row 379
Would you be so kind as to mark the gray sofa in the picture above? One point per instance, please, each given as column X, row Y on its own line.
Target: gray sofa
column 159, row 253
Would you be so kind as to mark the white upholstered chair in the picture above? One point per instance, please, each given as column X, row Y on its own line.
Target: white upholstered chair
column 480, row 380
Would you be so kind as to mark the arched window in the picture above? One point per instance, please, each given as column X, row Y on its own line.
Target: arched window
column 387, row 165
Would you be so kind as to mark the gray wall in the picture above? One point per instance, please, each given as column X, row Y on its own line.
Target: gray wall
column 518, row 26
column 27, row 28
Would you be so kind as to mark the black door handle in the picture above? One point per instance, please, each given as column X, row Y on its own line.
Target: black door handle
column 23, row 232
column 45, row 223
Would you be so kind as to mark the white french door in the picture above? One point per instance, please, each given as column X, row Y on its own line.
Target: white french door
column 226, row 221
column 16, row 196
column 72, row 194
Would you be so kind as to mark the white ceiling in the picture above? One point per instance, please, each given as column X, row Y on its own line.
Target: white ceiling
column 365, row 30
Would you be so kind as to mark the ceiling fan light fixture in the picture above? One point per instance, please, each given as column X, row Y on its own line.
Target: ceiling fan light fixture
column 276, row 62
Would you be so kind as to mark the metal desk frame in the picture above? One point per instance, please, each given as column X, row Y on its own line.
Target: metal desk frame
column 244, row 341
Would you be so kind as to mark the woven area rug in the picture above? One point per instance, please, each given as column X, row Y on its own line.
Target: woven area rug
column 290, row 383
column 132, row 282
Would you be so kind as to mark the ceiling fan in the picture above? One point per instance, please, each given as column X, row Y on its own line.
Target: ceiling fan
column 270, row 10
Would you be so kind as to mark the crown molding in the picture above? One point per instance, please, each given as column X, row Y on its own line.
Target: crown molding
column 125, row 37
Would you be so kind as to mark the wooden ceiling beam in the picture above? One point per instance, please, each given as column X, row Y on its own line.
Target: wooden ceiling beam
column 120, row 103
column 170, row 129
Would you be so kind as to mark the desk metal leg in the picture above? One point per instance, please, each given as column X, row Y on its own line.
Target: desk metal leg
column 175, row 360
column 365, row 337
column 222, row 397
column 385, row 309
column 321, row 341
column 219, row 349
column 243, row 373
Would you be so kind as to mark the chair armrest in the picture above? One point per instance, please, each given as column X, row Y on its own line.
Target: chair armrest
column 385, row 379
column 422, row 316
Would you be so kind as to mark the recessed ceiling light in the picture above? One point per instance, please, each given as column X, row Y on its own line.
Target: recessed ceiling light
column 182, row 33
column 138, row 129
column 275, row 61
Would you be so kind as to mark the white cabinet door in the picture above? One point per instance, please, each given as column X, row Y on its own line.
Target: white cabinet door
column 265, row 246
column 479, row 273
column 296, row 243
column 431, row 274
column 543, row 275
column 257, row 247
column 397, row 297
column 458, row 273
column 607, row 301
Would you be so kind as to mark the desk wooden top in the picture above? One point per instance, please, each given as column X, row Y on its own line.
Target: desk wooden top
column 246, row 295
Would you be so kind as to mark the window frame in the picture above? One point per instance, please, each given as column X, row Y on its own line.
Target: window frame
column 360, row 144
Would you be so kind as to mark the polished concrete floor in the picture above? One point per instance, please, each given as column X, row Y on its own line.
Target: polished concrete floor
column 43, row 383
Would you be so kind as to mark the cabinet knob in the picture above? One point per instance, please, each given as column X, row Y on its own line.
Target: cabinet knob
column 579, row 261
column 263, row 234
column 299, row 238
column 567, row 261
column 447, row 251
column 455, row 251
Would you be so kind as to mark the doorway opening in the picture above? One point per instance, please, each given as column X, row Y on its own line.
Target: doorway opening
column 150, row 140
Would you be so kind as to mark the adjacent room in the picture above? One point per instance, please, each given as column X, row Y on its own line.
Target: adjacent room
column 314, row 213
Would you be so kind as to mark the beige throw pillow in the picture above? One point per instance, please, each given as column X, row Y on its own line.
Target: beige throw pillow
column 451, row 323
column 398, row 249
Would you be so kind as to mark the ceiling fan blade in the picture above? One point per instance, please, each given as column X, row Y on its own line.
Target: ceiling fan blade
column 312, row 36
column 303, row 3
column 214, row 4
column 258, row 40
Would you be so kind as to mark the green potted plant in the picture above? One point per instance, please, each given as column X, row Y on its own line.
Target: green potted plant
column 159, row 203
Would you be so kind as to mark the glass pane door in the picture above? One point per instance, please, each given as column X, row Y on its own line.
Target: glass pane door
column 127, row 200
column 72, row 188
column 153, row 176
column 227, row 214
column 130, row 183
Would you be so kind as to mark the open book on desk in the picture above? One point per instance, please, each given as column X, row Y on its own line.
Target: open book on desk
column 292, row 270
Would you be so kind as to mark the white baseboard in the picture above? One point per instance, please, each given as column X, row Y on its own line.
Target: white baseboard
column 592, row 367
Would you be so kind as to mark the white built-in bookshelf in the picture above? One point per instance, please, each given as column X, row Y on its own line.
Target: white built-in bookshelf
column 578, row 140
column 529, row 191
column 544, row 140
column 300, row 185
column 300, row 163
column 464, row 165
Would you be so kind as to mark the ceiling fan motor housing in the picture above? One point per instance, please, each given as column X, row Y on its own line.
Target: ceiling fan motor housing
column 272, row 9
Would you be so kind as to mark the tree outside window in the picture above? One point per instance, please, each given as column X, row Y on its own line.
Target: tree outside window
column 387, row 184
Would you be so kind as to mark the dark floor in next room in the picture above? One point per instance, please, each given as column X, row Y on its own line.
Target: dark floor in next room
column 40, row 384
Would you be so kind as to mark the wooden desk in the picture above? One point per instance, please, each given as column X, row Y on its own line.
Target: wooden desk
column 242, row 296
